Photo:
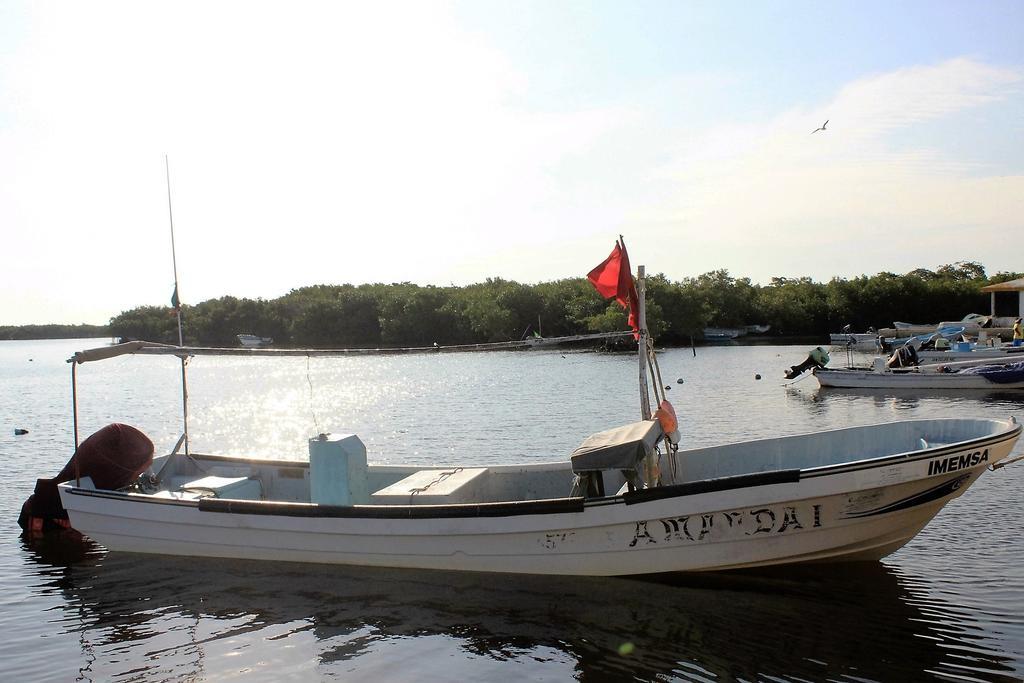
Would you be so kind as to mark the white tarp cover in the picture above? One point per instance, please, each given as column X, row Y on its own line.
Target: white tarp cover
column 617, row 449
column 105, row 352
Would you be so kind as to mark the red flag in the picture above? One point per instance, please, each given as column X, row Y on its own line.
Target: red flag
column 613, row 278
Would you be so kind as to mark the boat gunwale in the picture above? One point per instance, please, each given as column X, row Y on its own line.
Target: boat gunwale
column 894, row 377
column 547, row 505
column 910, row 456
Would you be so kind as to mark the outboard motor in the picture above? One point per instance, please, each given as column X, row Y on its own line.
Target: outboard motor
column 817, row 358
column 113, row 458
column 903, row 357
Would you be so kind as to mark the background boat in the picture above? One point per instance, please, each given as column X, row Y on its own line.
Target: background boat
column 984, row 378
column 253, row 341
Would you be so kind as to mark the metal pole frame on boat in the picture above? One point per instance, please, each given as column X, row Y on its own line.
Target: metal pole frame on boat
column 74, row 418
column 177, row 308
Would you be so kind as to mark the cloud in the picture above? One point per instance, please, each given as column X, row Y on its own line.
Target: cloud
column 771, row 198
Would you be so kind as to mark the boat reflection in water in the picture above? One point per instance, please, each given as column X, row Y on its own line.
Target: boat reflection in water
column 207, row 618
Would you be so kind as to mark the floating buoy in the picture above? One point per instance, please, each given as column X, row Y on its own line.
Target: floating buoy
column 757, row 376
column 668, row 387
column 18, row 431
column 679, row 381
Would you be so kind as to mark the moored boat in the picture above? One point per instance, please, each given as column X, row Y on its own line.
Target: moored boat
column 537, row 341
column 253, row 341
column 722, row 334
column 849, row 494
column 998, row 354
column 949, row 333
column 627, row 501
column 943, row 376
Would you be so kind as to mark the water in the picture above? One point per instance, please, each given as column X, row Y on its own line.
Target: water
column 948, row 606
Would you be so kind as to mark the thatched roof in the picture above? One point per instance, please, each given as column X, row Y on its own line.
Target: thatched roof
column 1009, row 286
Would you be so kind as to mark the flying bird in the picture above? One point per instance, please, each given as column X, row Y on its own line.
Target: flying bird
column 822, row 127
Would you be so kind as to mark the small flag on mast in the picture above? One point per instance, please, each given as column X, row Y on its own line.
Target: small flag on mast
column 613, row 278
column 175, row 304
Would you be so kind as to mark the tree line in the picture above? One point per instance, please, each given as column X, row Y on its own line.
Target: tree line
column 18, row 332
column 409, row 315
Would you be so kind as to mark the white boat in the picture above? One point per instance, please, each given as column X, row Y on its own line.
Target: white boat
column 539, row 341
column 950, row 333
column 971, row 322
column 253, row 341
column 729, row 333
column 1000, row 354
column 943, row 376
column 626, row 502
column 722, row 334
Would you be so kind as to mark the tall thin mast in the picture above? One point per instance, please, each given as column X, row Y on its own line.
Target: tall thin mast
column 177, row 308
column 174, row 255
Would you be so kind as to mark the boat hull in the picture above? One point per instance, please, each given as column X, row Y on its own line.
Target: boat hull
column 852, row 511
column 996, row 355
column 870, row 379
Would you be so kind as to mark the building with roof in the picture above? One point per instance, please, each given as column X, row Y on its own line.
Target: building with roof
column 1007, row 298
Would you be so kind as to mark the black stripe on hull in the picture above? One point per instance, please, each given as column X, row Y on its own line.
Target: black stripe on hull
column 935, row 493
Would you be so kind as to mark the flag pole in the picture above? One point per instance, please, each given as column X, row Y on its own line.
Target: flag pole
column 641, row 343
column 177, row 308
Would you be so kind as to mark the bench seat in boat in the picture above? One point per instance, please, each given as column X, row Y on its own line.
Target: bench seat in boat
column 435, row 487
column 236, row 488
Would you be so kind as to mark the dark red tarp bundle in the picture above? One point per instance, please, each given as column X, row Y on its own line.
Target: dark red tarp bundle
column 614, row 278
column 113, row 457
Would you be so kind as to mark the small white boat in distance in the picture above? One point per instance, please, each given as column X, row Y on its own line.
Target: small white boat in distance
column 539, row 341
column 722, row 334
column 251, row 341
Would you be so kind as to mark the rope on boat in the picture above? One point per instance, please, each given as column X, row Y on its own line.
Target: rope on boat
column 437, row 480
column 659, row 395
column 1004, row 463
column 312, row 405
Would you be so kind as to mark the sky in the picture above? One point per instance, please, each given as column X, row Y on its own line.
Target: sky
column 448, row 142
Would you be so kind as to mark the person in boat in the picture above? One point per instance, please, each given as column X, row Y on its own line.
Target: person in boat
column 903, row 357
column 1018, row 334
column 818, row 357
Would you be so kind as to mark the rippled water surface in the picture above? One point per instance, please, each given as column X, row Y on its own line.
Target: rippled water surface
column 948, row 606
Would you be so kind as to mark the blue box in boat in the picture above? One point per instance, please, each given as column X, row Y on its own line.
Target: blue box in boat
column 962, row 346
column 337, row 470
